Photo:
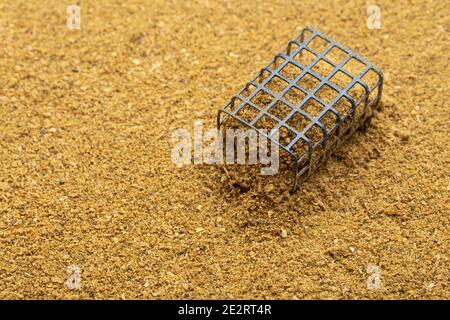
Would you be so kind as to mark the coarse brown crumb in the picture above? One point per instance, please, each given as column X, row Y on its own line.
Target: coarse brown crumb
column 86, row 177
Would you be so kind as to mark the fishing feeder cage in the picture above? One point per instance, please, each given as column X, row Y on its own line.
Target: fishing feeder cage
column 308, row 100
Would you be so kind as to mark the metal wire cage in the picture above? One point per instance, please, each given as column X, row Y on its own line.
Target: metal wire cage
column 310, row 98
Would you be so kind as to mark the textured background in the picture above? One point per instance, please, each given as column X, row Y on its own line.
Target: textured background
column 86, row 176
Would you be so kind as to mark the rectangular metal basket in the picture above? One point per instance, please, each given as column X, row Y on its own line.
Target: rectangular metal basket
column 311, row 97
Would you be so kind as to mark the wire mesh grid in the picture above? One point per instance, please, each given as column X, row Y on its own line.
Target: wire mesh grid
column 309, row 98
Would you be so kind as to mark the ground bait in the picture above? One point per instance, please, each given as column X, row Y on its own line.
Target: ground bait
column 87, row 184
